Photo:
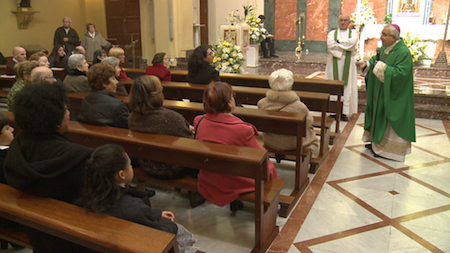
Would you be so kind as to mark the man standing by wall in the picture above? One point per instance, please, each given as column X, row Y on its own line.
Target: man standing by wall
column 390, row 118
column 67, row 36
column 19, row 55
column 341, row 63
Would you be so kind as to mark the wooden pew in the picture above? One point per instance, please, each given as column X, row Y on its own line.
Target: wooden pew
column 251, row 95
column 266, row 121
column 6, row 82
column 95, row 231
column 227, row 159
column 300, row 84
column 2, row 69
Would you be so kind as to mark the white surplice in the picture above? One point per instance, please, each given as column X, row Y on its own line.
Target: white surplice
column 338, row 50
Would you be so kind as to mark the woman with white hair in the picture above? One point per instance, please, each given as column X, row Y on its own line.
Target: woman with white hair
column 282, row 98
column 76, row 80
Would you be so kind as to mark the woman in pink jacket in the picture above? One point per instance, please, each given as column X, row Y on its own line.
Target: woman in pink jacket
column 221, row 126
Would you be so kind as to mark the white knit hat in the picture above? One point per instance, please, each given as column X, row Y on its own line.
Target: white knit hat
column 281, row 79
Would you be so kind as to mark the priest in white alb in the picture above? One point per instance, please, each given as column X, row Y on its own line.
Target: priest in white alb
column 341, row 63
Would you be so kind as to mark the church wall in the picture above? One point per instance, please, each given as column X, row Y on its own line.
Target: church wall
column 218, row 12
column 41, row 30
column 439, row 9
column 95, row 13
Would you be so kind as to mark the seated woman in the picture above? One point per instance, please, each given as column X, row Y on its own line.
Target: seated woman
column 114, row 62
column 220, row 125
column 41, row 58
column 199, row 66
column 23, row 77
column 148, row 116
column 92, row 41
column 100, row 107
column 99, row 55
column 40, row 160
column 119, row 54
column 282, row 98
column 160, row 67
column 76, row 80
column 57, row 56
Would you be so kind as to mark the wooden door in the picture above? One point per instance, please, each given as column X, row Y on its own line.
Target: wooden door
column 204, row 20
column 124, row 24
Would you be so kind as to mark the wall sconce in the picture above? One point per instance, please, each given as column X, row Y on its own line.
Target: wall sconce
column 24, row 16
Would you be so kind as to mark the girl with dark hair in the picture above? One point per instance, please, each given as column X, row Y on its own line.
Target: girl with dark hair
column 221, row 126
column 199, row 66
column 108, row 173
column 57, row 56
column 160, row 67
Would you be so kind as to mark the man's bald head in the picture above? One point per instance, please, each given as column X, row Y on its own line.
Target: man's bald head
column 42, row 74
column 344, row 21
column 20, row 54
column 79, row 50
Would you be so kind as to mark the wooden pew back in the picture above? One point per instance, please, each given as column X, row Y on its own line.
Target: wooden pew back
column 95, row 231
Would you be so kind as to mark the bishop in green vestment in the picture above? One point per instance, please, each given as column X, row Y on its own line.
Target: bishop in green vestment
column 389, row 118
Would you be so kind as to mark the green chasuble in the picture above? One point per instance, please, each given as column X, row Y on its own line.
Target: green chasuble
column 393, row 100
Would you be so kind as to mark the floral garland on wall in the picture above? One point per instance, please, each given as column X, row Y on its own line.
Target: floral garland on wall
column 228, row 58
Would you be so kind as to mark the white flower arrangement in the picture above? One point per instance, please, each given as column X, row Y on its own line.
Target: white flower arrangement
column 228, row 58
column 366, row 15
column 257, row 32
column 417, row 49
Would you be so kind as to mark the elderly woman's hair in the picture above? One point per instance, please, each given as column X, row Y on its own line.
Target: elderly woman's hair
column 99, row 74
column 98, row 53
column 111, row 60
column 281, row 80
column 89, row 24
column 75, row 60
column 196, row 61
column 40, row 109
column 216, row 97
column 146, row 95
column 37, row 55
column 4, row 120
column 158, row 58
column 394, row 31
column 25, row 67
column 116, row 52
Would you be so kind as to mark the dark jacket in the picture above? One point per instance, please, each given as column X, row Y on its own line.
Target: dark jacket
column 48, row 166
column 10, row 70
column 160, row 71
column 102, row 108
column 204, row 75
column 70, row 45
column 76, row 81
column 134, row 209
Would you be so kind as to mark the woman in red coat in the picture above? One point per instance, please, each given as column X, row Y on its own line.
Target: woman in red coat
column 221, row 126
column 160, row 67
